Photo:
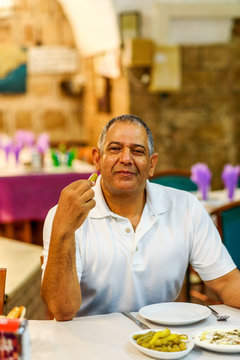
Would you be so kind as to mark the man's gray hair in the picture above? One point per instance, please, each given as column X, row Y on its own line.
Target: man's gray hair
column 128, row 118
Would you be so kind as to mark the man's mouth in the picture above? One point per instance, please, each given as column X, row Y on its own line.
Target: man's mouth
column 125, row 172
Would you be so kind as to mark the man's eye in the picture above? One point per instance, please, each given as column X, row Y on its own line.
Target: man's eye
column 114, row 148
column 138, row 151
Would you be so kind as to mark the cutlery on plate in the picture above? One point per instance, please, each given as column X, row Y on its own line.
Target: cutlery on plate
column 218, row 316
column 138, row 322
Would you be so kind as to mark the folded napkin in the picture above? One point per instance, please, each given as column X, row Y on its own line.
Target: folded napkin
column 7, row 148
column 201, row 175
column 42, row 143
column 71, row 154
column 230, row 176
column 6, row 144
column 24, row 138
column 16, row 149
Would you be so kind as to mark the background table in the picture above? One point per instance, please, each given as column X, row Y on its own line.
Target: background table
column 106, row 337
column 23, row 280
column 26, row 197
column 30, row 197
column 217, row 198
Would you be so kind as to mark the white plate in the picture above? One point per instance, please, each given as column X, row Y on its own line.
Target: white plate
column 216, row 347
column 161, row 354
column 175, row 313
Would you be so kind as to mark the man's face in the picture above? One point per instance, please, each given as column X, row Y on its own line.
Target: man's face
column 125, row 163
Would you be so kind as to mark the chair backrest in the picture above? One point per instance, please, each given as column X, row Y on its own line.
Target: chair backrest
column 3, row 273
column 178, row 179
column 228, row 224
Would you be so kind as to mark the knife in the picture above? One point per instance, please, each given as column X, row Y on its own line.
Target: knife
column 138, row 322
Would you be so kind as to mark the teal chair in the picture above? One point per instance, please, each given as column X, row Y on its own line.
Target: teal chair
column 227, row 219
column 228, row 225
column 178, row 179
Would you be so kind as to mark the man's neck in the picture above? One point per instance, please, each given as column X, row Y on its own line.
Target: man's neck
column 129, row 206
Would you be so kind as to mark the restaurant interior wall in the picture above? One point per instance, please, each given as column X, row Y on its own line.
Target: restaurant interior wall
column 45, row 106
column 197, row 123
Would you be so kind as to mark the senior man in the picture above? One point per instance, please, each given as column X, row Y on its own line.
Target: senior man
column 124, row 242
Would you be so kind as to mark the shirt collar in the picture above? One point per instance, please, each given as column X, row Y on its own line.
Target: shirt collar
column 158, row 200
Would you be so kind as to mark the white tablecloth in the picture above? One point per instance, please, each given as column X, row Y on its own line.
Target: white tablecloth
column 217, row 198
column 106, row 337
column 78, row 166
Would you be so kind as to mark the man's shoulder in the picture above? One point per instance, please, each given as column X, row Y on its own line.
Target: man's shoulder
column 164, row 196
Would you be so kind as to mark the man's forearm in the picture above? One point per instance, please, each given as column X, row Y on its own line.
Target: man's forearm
column 231, row 293
column 227, row 288
column 60, row 286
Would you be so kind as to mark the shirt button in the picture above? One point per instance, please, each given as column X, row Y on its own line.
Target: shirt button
column 128, row 230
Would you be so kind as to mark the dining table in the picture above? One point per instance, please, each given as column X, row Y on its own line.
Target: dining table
column 107, row 337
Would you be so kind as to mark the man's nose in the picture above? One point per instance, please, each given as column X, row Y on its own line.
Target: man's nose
column 125, row 155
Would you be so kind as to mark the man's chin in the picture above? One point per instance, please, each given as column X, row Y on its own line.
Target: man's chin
column 126, row 186
column 123, row 186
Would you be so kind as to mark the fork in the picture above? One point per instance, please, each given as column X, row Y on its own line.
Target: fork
column 218, row 316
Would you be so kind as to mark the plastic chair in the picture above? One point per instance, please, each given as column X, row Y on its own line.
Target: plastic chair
column 178, row 179
column 227, row 220
column 3, row 273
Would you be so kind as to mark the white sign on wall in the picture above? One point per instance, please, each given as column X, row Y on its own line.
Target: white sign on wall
column 52, row 60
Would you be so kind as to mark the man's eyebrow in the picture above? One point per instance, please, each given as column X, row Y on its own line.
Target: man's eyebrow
column 114, row 143
column 139, row 145
column 131, row 145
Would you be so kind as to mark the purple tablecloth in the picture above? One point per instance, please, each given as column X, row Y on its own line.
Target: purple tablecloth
column 29, row 197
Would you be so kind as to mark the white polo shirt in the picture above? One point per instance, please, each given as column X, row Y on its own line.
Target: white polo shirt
column 121, row 270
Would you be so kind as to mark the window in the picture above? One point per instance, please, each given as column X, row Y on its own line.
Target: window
column 6, row 7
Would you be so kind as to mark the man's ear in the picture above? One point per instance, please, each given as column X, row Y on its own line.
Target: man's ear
column 96, row 158
column 153, row 163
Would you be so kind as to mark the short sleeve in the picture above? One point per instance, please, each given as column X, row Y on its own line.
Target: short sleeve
column 209, row 257
column 79, row 265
